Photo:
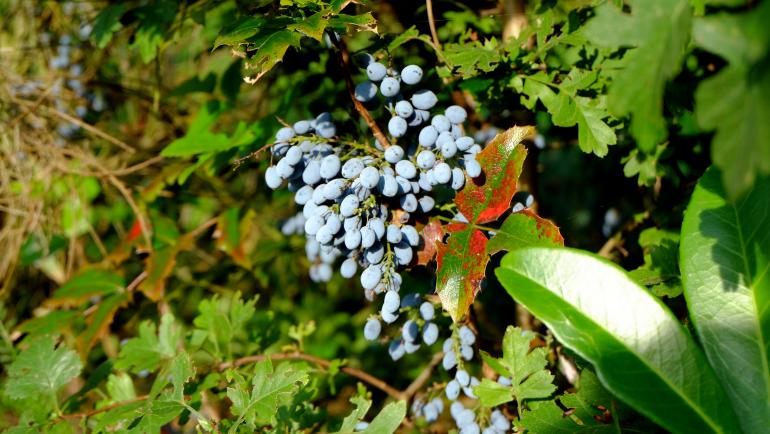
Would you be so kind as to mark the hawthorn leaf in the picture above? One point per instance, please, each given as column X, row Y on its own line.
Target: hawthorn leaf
column 471, row 59
column 487, row 197
column 270, row 389
column 199, row 138
column 660, row 271
column 431, row 235
column 657, row 33
column 223, row 320
column 568, row 109
column 524, row 229
column 461, row 264
column 270, row 48
column 736, row 101
column 639, row 349
column 584, row 411
column 146, row 351
column 525, row 368
column 725, row 253
column 41, row 370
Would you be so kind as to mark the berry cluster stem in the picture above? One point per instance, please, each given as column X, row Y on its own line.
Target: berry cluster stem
column 344, row 59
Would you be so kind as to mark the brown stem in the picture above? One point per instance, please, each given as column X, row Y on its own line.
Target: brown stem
column 95, row 411
column 344, row 59
column 353, row 372
column 423, row 377
column 432, row 24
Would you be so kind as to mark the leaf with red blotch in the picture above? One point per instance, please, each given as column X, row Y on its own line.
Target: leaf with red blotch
column 488, row 196
column 524, row 229
column 461, row 264
column 432, row 235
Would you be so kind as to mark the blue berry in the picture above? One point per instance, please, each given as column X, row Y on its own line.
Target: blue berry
column 411, row 74
column 376, row 71
column 372, row 329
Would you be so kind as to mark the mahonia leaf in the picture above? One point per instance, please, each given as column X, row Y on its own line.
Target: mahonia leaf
column 587, row 411
column 525, row 369
column 89, row 283
column 386, row 422
column 146, row 351
column 487, row 197
column 271, row 47
column 523, row 229
column 312, row 26
column 657, row 33
column 270, row 389
column 660, row 271
column 357, row 415
column 736, row 101
column 99, row 322
column 41, row 370
column 461, row 264
column 432, row 235
column 473, row 58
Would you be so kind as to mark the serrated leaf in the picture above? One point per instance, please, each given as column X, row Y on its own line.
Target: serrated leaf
column 388, row 420
column 583, row 413
column 146, row 351
column 357, row 415
column 736, row 101
column 525, row 368
column 223, row 320
column 461, row 264
column 431, row 235
column 402, row 38
column 41, row 370
column 240, row 31
column 660, row 271
column 107, row 23
column 524, row 229
column 639, row 349
column 89, row 283
column 471, row 59
column 486, row 198
column 155, row 19
column 725, row 252
column 269, row 390
column 363, row 21
column 657, row 32
column 312, row 26
column 568, row 109
column 270, row 48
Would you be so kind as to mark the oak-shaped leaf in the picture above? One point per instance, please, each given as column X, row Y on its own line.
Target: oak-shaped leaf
column 525, row 369
column 40, row 371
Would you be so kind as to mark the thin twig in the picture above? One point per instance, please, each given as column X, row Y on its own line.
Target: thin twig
column 432, row 24
column 88, row 127
column 353, row 372
column 96, row 411
column 423, row 377
column 344, row 59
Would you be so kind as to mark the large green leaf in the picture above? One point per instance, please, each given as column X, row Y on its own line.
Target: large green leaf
column 642, row 354
column 658, row 32
column 725, row 257
column 736, row 101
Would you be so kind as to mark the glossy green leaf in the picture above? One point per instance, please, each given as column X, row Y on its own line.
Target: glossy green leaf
column 736, row 101
column 641, row 353
column 357, row 415
column 240, row 31
column 524, row 229
column 389, row 419
column 658, row 32
column 725, row 255
column 660, row 271
column 89, row 283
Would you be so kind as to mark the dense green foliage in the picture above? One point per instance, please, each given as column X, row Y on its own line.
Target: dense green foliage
column 148, row 282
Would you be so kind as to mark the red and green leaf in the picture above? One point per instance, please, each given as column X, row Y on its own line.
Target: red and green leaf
column 487, row 197
column 432, row 235
column 524, row 229
column 461, row 263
